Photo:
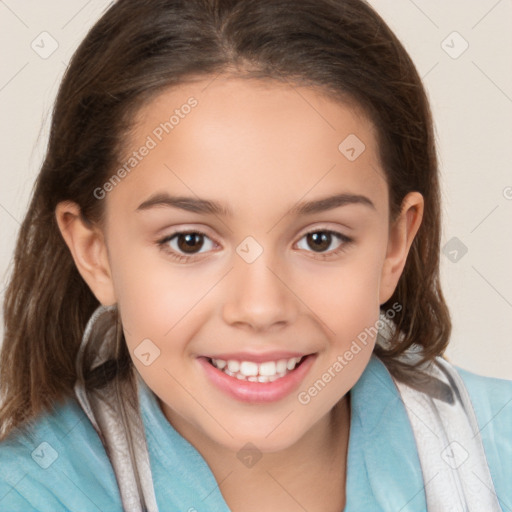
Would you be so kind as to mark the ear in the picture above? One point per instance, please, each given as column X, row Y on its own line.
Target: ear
column 89, row 251
column 401, row 236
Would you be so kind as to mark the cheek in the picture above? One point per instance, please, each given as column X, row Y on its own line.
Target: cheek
column 153, row 293
column 344, row 296
column 156, row 304
column 345, row 301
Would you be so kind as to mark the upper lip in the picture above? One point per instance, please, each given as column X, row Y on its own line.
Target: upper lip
column 256, row 358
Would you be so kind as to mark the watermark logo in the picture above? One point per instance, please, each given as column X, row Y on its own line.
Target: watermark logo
column 146, row 352
column 45, row 45
column 352, row 147
column 249, row 455
column 249, row 250
column 454, row 250
column 45, row 455
column 454, row 455
column 454, row 45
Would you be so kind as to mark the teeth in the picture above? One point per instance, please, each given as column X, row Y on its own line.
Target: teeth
column 281, row 366
column 268, row 371
column 290, row 365
column 219, row 363
column 233, row 366
column 248, row 368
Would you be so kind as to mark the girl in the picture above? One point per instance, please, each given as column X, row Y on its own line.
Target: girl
column 292, row 360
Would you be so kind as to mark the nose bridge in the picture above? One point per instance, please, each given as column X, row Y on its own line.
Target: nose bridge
column 257, row 294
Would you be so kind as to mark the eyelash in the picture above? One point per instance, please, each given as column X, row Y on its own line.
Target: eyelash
column 163, row 244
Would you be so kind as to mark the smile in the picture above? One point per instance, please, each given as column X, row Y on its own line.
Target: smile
column 257, row 382
column 269, row 371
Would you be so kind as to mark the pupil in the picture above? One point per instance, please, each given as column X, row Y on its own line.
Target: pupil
column 189, row 239
column 320, row 241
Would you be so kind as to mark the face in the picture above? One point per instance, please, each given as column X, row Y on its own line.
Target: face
column 251, row 235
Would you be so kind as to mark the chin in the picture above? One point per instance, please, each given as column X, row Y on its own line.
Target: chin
column 268, row 438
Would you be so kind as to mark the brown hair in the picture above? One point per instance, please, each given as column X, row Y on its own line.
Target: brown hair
column 130, row 55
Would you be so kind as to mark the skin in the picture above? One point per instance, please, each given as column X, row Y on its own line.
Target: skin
column 260, row 147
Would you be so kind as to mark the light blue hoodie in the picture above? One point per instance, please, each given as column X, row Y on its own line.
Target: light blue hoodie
column 61, row 465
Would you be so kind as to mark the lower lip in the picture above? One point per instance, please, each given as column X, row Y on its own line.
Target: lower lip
column 258, row 392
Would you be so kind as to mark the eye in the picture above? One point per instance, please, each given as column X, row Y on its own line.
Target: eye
column 184, row 245
column 321, row 240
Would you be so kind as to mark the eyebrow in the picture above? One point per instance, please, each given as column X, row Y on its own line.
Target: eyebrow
column 205, row 206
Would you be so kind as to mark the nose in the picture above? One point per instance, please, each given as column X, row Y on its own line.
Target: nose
column 259, row 296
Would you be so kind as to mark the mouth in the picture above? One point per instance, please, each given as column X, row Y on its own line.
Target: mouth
column 250, row 371
column 257, row 382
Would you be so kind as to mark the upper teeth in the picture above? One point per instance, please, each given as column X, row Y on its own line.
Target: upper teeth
column 256, row 372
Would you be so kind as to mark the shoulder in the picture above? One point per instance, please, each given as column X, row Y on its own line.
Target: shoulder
column 492, row 401
column 57, row 463
column 491, row 397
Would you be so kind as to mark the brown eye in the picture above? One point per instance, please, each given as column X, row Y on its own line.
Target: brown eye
column 190, row 242
column 323, row 242
column 184, row 244
column 319, row 241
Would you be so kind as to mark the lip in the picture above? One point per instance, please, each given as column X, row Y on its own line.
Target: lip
column 257, row 392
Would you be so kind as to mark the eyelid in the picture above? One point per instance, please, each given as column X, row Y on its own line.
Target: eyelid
column 327, row 226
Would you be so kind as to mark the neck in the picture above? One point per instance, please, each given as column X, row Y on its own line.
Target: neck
column 308, row 471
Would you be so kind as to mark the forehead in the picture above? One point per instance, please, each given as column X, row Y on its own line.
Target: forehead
column 250, row 142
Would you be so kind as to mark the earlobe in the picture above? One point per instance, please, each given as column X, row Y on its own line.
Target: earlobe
column 401, row 236
column 88, row 249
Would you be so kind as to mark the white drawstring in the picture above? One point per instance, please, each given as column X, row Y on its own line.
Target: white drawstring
column 114, row 412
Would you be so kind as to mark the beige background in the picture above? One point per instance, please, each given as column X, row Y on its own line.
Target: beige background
column 471, row 94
